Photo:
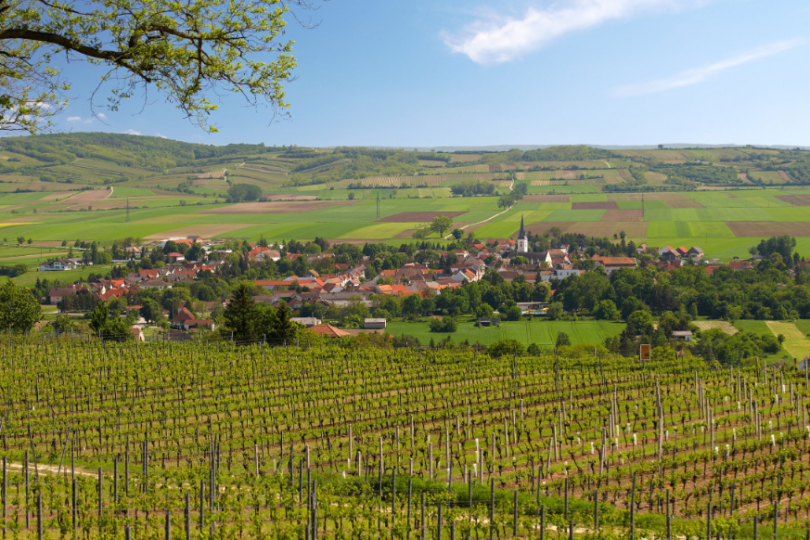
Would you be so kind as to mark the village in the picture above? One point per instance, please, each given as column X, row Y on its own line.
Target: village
column 311, row 294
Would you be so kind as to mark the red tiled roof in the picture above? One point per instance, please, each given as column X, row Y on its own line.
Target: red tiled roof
column 615, row 261
column 183, row 315
column 740, row 265
column 328, row 330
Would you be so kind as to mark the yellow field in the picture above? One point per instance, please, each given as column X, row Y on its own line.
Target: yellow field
column 796, row 343
column 19, row 223
column 725, row 326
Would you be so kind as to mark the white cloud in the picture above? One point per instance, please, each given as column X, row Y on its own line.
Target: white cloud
column 79, row 119
column 161, row 135
column 131, row 131
column 691, row 77
column 102, row 115
column 499, row 39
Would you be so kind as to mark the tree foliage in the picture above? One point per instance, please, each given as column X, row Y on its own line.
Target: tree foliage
column 440, row 224
column 506, row 347
column 108, row 328
column 245, row 322
column 244, row 193
column 241, row 315
column 19, row 309
column 471, row 189
column 187, row 51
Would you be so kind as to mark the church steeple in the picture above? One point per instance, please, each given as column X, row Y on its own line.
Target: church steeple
column 523, row 238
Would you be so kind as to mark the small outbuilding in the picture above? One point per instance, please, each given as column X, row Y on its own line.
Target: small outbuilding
column 682, row 335
column 307, row 322
column 374, row 324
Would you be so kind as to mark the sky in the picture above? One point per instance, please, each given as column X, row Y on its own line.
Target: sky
column 421, row 73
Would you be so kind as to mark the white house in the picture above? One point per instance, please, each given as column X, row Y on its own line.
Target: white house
column 57, row 266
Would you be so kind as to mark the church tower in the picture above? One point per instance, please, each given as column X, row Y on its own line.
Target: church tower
column 523, row 239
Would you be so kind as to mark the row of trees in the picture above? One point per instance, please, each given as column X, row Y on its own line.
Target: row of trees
column 471, row 189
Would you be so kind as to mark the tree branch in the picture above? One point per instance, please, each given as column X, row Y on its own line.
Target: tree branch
column 115, row 57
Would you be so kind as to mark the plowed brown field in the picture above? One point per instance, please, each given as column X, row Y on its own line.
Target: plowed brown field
column 769, row 228
column 623, row 215
column 795, row 200
column 606, row 205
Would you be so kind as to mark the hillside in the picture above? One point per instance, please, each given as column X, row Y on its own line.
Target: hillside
column 71, row 161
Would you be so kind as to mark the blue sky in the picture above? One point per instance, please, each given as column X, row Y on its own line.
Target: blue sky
column 483, row 72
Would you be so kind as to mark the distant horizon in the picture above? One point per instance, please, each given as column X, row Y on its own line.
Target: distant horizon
column 449, row 147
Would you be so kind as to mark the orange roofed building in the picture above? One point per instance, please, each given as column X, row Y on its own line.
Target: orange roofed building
column 329, row 331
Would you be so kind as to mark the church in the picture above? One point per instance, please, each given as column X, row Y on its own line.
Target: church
column 523, row 239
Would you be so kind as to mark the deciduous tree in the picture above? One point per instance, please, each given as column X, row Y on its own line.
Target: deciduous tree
column 19, row 310
column 187, row 51
column 441, row 224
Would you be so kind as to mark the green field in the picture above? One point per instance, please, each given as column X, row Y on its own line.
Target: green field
column 541, row 332
column 156, row 215
column 67, row 276
column 171, row 188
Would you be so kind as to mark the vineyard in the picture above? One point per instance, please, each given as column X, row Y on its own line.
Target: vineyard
column 190, row 441
column 390, row 181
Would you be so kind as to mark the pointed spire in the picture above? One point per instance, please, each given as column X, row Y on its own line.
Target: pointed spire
column 522, row 233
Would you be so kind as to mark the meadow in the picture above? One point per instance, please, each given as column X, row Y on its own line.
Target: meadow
column 539, row 331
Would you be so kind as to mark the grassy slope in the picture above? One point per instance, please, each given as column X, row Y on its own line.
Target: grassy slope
column 796, row 342
column 68, row 276
column 540, row 332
